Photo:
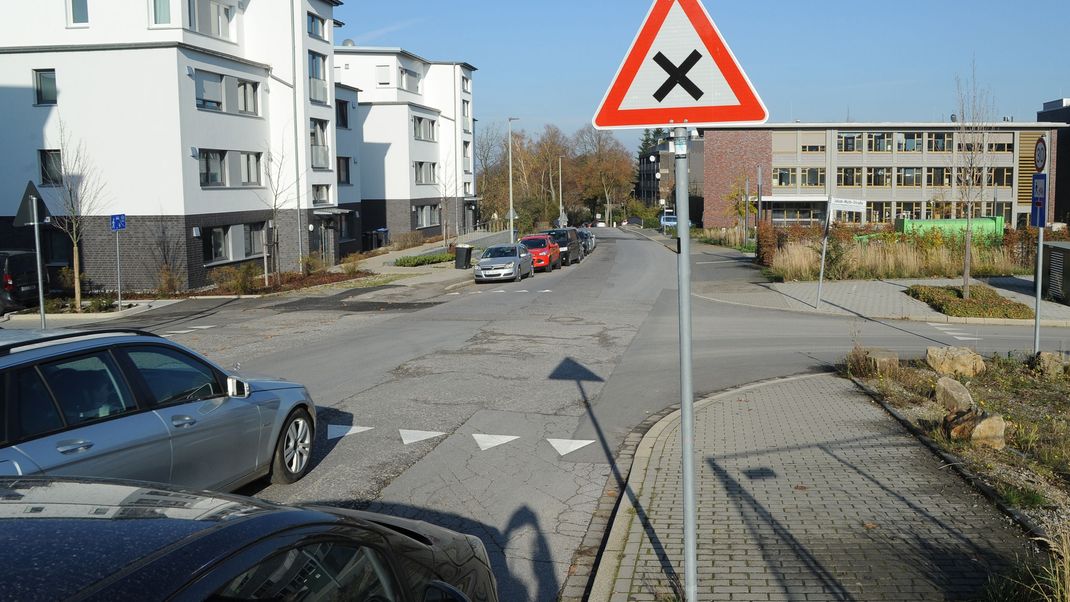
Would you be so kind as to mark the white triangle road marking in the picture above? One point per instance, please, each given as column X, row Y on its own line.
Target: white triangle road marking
column 567, row 446
column 337, row 431
column 546, row 291
column 486, row 442
column 452, row 294
column 203, row 327
column 180, row 332
column 408, row 437
column 521, row 291
column 476, row 293
column 497, row 291
column 968, row 338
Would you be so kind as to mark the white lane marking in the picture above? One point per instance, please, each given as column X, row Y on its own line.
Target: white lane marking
column 968, row 338
column 546, row 291
column 938, row 325
column 452, row 294
column 180, row 332
column 476, row 293
column 408, row 437
column 523, row 291
column 486, row 442
column 203, row 327
column 497, row 291
column 567, row 446
column 337, row 431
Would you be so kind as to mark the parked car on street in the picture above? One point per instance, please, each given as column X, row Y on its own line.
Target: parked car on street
column 127, row 540
column 18, row 280
column 587, row 239
column 133, row 405
column 667, row 221
column 545, row 253
column 600, row 225
column 569, row 241
column 504, row 262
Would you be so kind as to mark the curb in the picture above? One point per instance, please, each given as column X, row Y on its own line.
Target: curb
column 600, row 582
column 461, row 284
column 1032, row 528
column 90, row 318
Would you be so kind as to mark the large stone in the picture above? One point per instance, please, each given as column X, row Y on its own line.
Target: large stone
column 953, row 395
column 1049, row 365
column 989, row 432
column 958, row 426
column 882, row 361
column 954, row 361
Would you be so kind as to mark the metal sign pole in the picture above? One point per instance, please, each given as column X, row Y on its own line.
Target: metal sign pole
column 40, row 274
column 687, row 409
column 824, row 251
column 118, row 273
column 1039, row 278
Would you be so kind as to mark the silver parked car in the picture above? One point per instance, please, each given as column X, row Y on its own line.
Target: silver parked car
column 504, row 262
column 132, row 405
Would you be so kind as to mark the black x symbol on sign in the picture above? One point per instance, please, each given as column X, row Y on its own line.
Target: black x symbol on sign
column 678, row 76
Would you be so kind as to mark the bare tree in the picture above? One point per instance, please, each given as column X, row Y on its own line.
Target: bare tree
column 972, row 164
column 276, row 194
column 79, row 195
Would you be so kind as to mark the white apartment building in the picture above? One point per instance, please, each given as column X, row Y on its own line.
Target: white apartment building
column 207, row 122
column 417, row 160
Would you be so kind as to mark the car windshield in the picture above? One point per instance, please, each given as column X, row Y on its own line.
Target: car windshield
column 496, row 252
column 559, row 236
column 670, row 218
column 534, row 243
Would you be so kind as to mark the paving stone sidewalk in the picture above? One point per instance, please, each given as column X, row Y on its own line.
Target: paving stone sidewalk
column 807, row 491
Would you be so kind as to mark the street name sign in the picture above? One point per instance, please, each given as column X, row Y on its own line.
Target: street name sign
column 679, row 72
column 118, row 222
column 1038, row 216
column 849, row 205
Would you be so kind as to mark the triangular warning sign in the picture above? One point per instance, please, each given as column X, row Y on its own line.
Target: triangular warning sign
column 679, row 71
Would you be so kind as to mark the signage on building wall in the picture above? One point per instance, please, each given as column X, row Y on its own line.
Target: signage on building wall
column 850, row 205
column 679, row 72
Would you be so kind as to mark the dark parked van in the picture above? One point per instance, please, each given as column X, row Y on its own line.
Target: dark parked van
column 18, row 280
column 569, row 241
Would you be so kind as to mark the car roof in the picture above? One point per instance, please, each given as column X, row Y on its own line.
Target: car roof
column 33, row 344
column 535, row 236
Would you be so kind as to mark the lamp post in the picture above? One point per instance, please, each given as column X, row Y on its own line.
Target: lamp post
column 561, row 223
column 512, row 232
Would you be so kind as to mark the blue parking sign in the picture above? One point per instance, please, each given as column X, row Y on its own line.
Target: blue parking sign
column 1038, row 216
column 118, row 222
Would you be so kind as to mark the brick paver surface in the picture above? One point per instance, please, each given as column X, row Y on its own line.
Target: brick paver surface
column 809, row 491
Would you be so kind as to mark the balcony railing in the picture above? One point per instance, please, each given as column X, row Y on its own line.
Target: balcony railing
column 317, row 90
column 321, row 157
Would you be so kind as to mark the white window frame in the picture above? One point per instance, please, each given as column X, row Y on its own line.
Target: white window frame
column 321, row 199
column 343, row 168
column 426, row 172
column 202, row 102
column 244, row 97
column 37, row 87
column 322, row 24
column 250, row 169
column 155, row 13
column 209, row 238
column 202, row 162
column 71, row 23
column 253, row 235
column 43, row 157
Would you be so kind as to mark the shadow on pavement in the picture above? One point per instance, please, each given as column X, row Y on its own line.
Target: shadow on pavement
column 570, row 369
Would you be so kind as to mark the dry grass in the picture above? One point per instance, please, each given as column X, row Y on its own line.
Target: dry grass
column 1048, row 582
column 407, row 240
column 862, row 261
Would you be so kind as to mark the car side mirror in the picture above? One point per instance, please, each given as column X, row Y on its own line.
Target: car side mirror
column 237, row 388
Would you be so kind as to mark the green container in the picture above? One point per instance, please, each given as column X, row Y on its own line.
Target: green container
column 985, row 226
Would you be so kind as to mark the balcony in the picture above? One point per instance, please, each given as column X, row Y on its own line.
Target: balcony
column 317, row 90
column 321, row 157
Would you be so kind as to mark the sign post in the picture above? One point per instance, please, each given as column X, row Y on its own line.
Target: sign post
column 1039, row 215
column 850, row 205
column 118, row 224
column 32, row 212
column 680, row 74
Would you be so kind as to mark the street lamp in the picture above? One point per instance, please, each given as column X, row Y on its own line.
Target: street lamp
column 512, row 232
column 561, row 223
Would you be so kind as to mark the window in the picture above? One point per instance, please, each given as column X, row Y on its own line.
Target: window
column 879, row 143
column 382, row 75
column 938, row 177
column 426, row 172
column 317, row 77
column 341, row 112
column 466, row 148
column 813, row 148
column 849, row 177
column 343, row 170
column 211, row 17
column 250, row 169
column 44, row 83
column 216, row 244
column 51, row 167
column 466, row 84
column 813, row 177
column 317, row 27
column 254, row 239
column 410, row 80
column 784, row 176
column 427, row 216
column 161, row 12
column 1002, row 177
column 908, row 176
column 1001, row 147
column 940, row 142
column 910, row 142
column 213, row 171
column 209, row 90
column 468, row 189
column 321, row 193
column 172, row 376
column 79, row 12
column 325, row 570
column 879, row 176
column 424, row 128
column 247, row 97
column 972, row 177
column 88, row 388
column 347, row 226
column 32, row 411
column 849, row 143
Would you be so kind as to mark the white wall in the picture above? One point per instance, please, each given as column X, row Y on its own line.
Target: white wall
column 349, row 144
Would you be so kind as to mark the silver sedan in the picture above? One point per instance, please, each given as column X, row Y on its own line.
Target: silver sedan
column 504, row 262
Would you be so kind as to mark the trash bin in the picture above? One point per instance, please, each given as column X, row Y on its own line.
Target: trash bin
column 383, row 235
column 463, row 258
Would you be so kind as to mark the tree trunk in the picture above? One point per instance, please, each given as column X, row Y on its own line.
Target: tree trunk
column 77, row 279
column 967, row 253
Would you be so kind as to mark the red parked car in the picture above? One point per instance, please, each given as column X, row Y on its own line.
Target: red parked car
column 545, row 253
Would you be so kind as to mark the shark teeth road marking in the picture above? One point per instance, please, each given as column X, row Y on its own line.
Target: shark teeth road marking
column 968, row 338
column 523, row 291
column 546, row 291
column 203, row 327
column 476, row 293
column 452, row 294
column 486, row 442
column 567, row 446
column 180, row 332
column 497, row 291
column 337, row 431
column 408, row 437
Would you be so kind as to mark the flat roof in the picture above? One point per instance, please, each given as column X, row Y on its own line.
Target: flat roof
column 397, row 50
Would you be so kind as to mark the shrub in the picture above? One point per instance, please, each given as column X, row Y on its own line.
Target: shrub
column 767, row 243
column 167, row 282
column 351, row 264
column 312, row 263
column 407, row 240
column 101, row 304
column 412, row 261
column 239, row 280
column 984, row 302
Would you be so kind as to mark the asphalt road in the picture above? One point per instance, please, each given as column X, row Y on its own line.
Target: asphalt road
column 497, row 409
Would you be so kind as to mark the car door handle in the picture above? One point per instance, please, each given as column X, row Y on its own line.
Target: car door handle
column 70, row 447
column 182, row 422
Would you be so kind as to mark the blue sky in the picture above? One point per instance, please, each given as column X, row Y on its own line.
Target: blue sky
column 550, row 61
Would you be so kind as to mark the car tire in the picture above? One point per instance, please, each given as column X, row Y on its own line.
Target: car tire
column 296, row 437
column 519, row 274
